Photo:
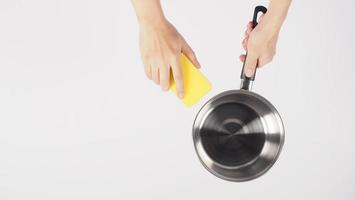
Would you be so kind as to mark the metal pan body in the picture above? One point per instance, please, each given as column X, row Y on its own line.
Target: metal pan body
column 238, row 135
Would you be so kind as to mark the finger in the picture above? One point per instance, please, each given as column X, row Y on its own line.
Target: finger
column 155, row 75
column 164, row 77
column 186, row 49
column 248, row 31
column 250, row 64
column 242, row 57
column 245, row 43
column 147, row 68
column 178, row 77
column 263, row 60
column 246, row 34
column 250, row 25
column 148, row 71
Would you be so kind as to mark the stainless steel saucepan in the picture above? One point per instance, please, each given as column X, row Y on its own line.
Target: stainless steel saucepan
column 238, row 134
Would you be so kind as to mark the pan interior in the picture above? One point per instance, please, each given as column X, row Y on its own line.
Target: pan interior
column 232, row 134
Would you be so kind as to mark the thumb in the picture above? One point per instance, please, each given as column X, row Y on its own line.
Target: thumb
column 186, row 49
column 250, row 65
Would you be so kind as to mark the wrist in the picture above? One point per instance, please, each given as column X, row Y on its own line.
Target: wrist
column 151, row 20
column 149, row 12
column 275, row 16
column 272, row 23
column 277, row 11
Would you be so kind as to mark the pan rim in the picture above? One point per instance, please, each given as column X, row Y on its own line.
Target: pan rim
column 204, row 112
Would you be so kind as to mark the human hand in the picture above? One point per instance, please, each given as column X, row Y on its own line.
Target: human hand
column 260, row 43
column 161, row 46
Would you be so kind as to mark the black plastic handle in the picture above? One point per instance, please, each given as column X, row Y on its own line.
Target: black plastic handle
column 255, row 23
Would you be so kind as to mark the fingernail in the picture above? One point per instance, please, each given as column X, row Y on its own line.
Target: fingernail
column 165, row 87
column 181, row 95
column 249, row 72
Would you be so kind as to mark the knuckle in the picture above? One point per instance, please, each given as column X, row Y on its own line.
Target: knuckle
column 164, row 67
column 178, row 78
column 173, row 48
column 176, row 49
column 146, row 56
column 174, row 56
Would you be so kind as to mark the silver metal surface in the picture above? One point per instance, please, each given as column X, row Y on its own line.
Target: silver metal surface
column 246, row 84
column 238, row 135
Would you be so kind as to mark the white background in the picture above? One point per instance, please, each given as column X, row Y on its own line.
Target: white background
column 79, row 120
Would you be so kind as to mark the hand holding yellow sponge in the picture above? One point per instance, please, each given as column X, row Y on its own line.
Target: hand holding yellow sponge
column 195, row 83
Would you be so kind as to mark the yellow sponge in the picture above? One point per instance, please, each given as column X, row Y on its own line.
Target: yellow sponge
column 196, row 84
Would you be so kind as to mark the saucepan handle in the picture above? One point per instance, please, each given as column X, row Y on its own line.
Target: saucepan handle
column 247, row 81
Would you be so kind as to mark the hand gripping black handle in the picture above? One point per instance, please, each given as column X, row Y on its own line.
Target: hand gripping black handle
column 255, row 23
